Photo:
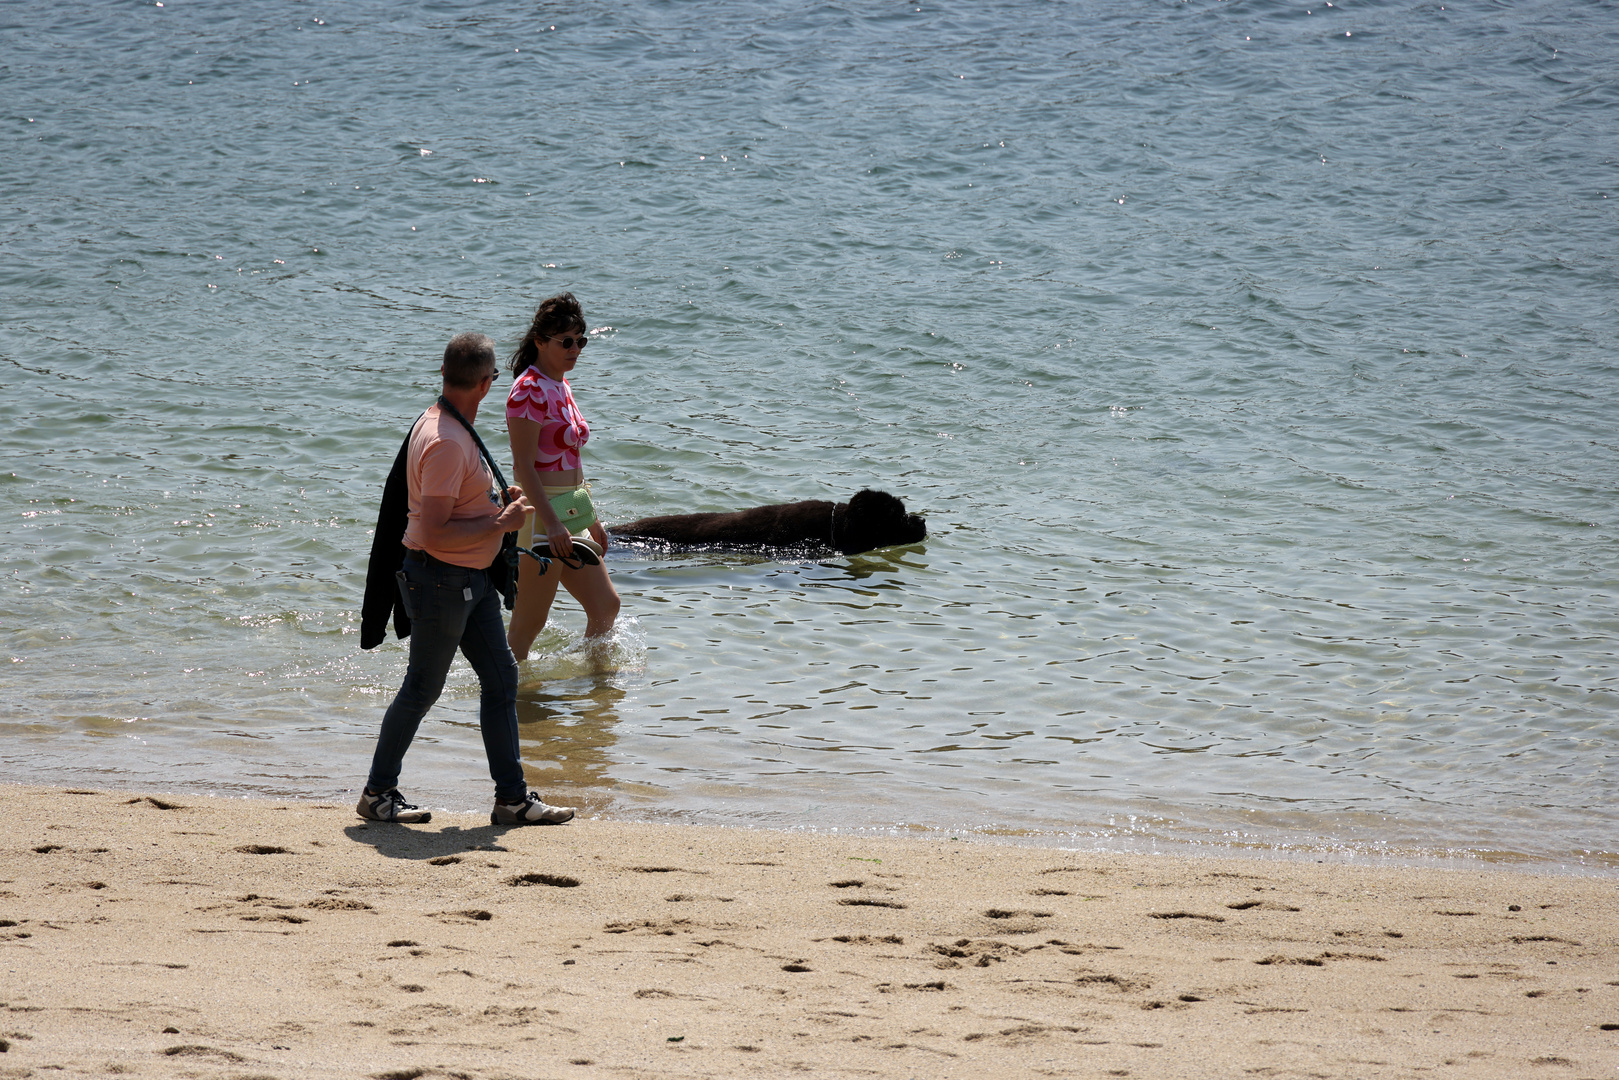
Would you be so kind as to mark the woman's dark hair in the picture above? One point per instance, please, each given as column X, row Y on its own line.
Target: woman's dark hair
column 561, row 314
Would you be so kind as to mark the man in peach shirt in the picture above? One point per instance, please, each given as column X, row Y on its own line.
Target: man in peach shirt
column 454, row 533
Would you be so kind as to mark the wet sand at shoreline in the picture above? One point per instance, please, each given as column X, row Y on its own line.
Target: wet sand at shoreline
column 190, row 936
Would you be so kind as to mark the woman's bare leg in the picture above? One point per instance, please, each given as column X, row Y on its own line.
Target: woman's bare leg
column 535, row 591
column 594, row 590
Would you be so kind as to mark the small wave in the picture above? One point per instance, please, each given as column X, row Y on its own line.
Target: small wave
column 559, row 655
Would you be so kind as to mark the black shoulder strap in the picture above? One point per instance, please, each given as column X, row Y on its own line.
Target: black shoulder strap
column 500, row 477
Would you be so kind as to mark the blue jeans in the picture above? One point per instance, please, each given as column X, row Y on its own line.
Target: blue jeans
column 444, row 620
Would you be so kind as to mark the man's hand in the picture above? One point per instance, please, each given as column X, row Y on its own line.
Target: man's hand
column 512, row 516
column 438, row 531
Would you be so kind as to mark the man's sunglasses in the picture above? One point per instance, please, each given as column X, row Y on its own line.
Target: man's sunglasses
column 570, row 342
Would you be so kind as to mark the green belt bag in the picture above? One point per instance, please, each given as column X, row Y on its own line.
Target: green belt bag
column 575, row 510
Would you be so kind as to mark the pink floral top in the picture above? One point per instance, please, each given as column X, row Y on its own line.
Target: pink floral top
column 549, row 403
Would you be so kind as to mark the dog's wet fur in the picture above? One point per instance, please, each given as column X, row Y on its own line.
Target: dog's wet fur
column 869, row 520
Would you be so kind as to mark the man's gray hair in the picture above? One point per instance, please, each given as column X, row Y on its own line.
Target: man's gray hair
column 467, row 359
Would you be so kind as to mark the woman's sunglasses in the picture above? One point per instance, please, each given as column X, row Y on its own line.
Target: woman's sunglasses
column 570, row 342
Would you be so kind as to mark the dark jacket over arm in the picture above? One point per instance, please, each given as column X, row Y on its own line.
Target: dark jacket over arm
column 387, row 557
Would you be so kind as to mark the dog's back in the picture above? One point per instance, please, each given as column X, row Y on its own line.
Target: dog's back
column 870, row 520
column 779, row 525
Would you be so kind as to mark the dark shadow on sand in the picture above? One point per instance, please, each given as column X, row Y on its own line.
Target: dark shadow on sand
column 425, row 842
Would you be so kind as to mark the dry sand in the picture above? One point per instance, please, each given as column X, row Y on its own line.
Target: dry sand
column 189, row 936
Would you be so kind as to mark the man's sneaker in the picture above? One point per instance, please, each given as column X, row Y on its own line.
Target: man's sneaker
column 390, row 805
column 531, row 811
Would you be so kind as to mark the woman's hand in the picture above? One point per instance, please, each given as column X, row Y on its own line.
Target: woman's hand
column 598, row 534
column 560, row 539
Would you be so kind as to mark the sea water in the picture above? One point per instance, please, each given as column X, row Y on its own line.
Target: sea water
column 1253, row 363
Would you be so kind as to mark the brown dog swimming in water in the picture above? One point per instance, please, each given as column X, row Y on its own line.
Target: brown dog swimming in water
column 870, row 520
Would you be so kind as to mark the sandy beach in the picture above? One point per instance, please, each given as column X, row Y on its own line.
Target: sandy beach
column 189, row 936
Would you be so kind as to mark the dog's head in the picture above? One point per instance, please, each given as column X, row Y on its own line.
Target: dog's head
column 875, row 519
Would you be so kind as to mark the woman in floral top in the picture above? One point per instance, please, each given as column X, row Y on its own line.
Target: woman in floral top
column 547, row 433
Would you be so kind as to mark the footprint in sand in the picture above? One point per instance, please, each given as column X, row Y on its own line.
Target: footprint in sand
column 1321, row 960
column 652, row 926
column 682, row 898
column 472, row 914
column 981, row 953
column 1184, row 915
column 1123, row 985
column 560, row 881
column 332, row 903
column 663, row 870
column 1022, row 1033
column 194, row 1050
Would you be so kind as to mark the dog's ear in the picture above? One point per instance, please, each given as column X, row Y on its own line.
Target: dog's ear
column 875, row 519
column 876, row 505
column 843, row 530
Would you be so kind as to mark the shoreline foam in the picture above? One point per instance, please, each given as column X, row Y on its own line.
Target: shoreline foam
column 286, row 939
